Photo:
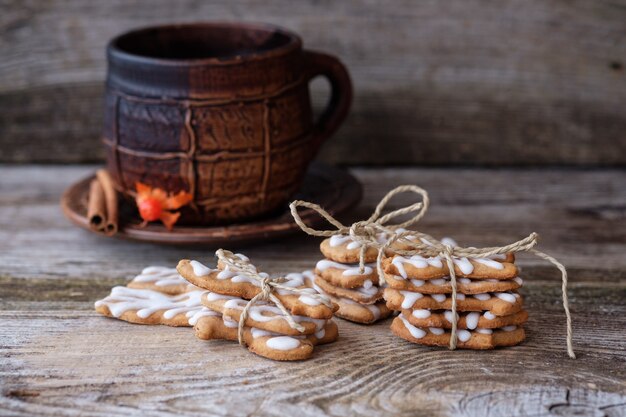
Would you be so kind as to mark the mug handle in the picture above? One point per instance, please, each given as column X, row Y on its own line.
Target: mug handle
column 328, row 66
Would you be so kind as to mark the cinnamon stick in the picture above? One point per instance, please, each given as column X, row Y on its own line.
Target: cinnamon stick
column 96, row 209
column 110, row 196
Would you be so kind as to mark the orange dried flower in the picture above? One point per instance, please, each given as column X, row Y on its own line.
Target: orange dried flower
column 155, row 204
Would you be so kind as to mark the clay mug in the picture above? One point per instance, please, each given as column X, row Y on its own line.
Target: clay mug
column 220, row 110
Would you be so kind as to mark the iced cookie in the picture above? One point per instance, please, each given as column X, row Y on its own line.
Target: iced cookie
column 478, row 339
column 239, row 285
column 161, row 279
column 500, row 304
column 264, row 316
column 368, row 294
column 150, row 307
column 443, row 286
column 346, row 275
column 468, row 320
column 360, row 313
column 271, row 345
column 422, row 268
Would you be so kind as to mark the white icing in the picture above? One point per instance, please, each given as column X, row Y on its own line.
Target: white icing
column 338, row 240
column 460, row 296
column 367, row 284
column 439, row 281
column 416, row 261
column 471, row 320
column 448, row 315
column 449, row 241
column 439, row 297
column 465, row 280
column 421, row 313
column 417, row 282
column 258, row 313
column 199, row 269
column 484, row 331
column 463, row 335
column 308, row 300
column 320, row 334
column 225, row 274
column 282, row 343
column 348, row 269
column 489, row 315
column 194, row 316
column 490, row 263
column 160, row 276
column 491, row 280
column 213, row 296
column 464, row 265
column 505, row 296
column 519, row 280
column 148, row 302
column 256, row 333
column 509, row 328
column 228, row 322
column 482, row 297
column 373, row 308
column 415, row 332
column 410, row 298
column 436, row 330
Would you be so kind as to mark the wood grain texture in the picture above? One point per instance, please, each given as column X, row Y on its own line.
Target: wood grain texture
column 59, row 358
column 457, row 82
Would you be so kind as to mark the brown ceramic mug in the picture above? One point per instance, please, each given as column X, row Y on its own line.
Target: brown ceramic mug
column 221, row 110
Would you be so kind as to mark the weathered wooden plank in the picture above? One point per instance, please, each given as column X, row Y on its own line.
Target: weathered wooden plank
column 57, row 357
column 469, row 82
column 61, row 362
column 579, row 215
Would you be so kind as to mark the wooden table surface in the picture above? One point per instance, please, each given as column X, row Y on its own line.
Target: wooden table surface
column 58, row 357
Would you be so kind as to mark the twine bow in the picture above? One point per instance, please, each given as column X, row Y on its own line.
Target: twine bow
column 422, row 244
column 366, row 232
column 268, row 285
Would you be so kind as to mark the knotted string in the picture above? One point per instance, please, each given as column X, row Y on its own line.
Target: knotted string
column 268, row 285
column 364, row 232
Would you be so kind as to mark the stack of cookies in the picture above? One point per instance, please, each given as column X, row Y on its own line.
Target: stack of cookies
column 267, row 331
column 489, row 308
column 358, row 294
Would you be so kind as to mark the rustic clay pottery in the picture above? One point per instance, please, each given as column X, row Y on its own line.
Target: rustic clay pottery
column 334, row 189
column 221, row 110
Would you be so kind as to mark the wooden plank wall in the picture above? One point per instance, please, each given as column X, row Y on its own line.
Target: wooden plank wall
column 466, row 82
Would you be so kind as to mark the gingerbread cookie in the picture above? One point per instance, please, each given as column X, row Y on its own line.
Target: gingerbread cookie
column 239, row 285
column 346, row 275
column 500, row 304
column 368, row 294
column 161, row 279
column 264, row 343
column 422, row 268
column 467, row 320
column 443, row 285
column 150, row 307
column 478, row 339
column 356, row 312
column 263, row 316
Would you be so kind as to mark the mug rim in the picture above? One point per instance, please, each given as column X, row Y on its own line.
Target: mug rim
column 294, row 43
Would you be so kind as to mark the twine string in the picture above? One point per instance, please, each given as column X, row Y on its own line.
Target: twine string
column 268, row 286
column 365, row 233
